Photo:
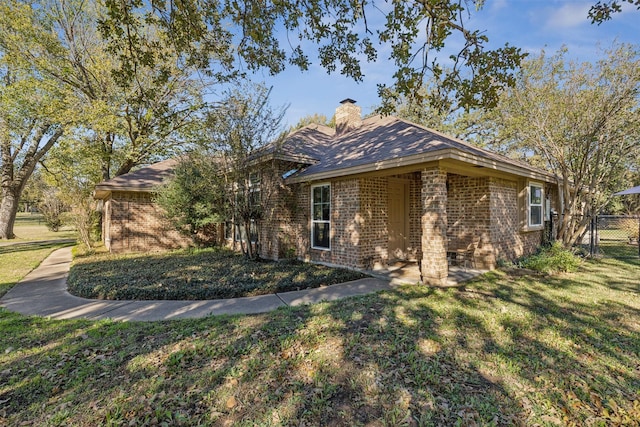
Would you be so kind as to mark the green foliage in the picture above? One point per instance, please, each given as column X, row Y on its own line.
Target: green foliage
column 226, row 178
column 315, row 118
column 604, row 10
column 213, row 34
column 553, row 259
column 211, row 273
column 73, row 171
column 580, row 121
column 191, row 199
column 52, row 209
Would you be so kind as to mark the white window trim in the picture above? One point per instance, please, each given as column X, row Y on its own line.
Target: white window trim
column 320, row 248
column 530, row 205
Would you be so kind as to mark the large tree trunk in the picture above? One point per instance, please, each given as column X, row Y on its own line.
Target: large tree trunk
column 14, row 177
column 8, row 210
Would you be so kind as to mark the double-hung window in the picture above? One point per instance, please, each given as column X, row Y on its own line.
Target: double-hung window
column 536, row 199
column 320, row 216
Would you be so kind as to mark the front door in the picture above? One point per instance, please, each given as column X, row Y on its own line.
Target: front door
column 398, row 222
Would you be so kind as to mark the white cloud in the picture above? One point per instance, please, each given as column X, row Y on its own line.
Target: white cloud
column 568, row 16
column 497, row 5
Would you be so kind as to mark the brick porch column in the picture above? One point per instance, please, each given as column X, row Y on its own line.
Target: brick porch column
column 434, row 227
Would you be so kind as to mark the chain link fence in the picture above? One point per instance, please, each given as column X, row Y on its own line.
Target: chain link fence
column 614, row 236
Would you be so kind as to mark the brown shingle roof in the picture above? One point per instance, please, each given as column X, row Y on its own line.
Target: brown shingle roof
column 389, row 140
column 143, row 179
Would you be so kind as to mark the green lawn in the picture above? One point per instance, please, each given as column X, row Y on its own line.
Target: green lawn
column 503, row 350
column 617, row 249
column 34, row 243
column 192, row 274
column 30, row 227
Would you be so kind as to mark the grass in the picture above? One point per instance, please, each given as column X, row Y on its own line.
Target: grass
column 34, row 243
column 501, row 350
column 617, row 249
column 30, row 227
column 194, row 274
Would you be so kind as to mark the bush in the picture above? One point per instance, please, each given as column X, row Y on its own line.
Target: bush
column 52, row 209
column 630, row 226
column 553, row 259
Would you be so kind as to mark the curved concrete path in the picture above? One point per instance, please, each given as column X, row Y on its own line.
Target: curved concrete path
column 43, row 292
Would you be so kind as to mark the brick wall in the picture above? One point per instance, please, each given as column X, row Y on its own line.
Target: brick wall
column 136, row 224
column 359, row 222
column 293, row 229
column 484, row 212
column 481, row 211
column 505, row 233
column 374, row 222
column 414, row 248
column 275, row 197
column 346, row 224
column 509, row 239
column 434, row 226
column 468, row 220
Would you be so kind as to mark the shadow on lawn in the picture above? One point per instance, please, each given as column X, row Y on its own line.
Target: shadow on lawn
column 333, row 364
column 13, row 247
column 510, row 352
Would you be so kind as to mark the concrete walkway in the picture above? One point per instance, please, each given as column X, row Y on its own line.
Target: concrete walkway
column 43, row 292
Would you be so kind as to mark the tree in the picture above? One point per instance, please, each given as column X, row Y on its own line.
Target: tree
column 120, row 122
column 132, row 120
column 51, row 208
column 604, row 10
column 448, row 117
column 215, row 34
column 316, row 118
column 239, row 129
column 228, row 178
column 580, row 121
column 32, row 119
column 72, row 170
column 191, row 199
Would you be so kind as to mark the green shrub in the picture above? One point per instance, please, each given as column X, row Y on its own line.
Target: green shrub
column 194, row 274
column 553, row 259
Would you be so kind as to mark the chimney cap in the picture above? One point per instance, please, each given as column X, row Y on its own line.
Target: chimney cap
column 348, row 101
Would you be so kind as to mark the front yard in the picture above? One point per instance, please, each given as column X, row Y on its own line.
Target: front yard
column 194, row 274
column 502, row 350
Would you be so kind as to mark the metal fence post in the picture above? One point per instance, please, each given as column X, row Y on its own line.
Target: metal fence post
column 592, row 231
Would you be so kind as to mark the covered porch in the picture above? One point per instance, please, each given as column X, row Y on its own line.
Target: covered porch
column 443, row 224
column 408, row 272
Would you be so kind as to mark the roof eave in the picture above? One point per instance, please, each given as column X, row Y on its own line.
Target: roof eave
column 432, row 156
column 103, row 191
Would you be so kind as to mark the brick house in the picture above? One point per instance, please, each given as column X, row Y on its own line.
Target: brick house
column 131, row 221
column 377, row 190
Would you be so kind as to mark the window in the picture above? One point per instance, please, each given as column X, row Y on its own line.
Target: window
column 320, row 216
column 535, row 205
column 254, row 190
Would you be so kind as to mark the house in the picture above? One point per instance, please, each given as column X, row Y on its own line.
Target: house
column 131, row 221
column 382, row 189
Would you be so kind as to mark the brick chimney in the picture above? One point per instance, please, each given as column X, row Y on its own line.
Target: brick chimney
column 348, row 116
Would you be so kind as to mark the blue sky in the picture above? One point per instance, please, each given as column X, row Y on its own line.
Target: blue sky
column 532, row 25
